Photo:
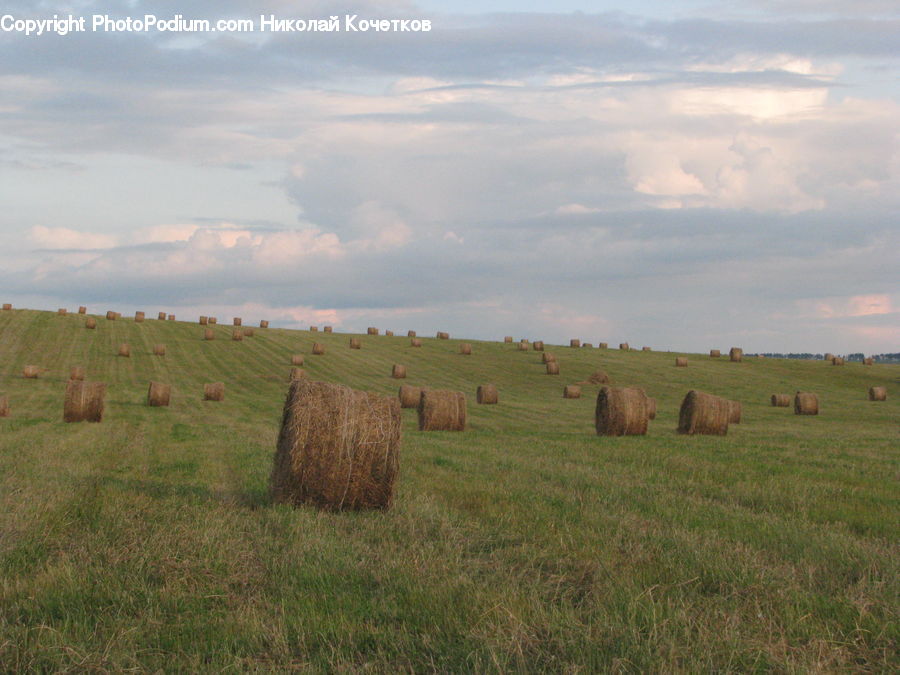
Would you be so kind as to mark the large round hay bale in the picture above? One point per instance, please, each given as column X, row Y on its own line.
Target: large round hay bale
column 837, row 361
column 159, row 350
column 124, row 350
column 139, row 317
column 734, row 412
column 338, row 448
column 297, row 360
column 110, row 315
column 574, row 342
column 4, row 406
column 621, row 411
column 171, row 317
column 571, row 391
column 161, row 316
column 398, row 372
column 82, row 309
column 623, row 346
column 328, row 329
column 487, row 394
column 209, row 334
column 236, row 321
column 415, row 342
column 389, row 333
column 598, row 377
column 523, row 347
column 465, row 348
column 371, row 330
column 62, row 311
column 735, row 354
column 318, row 348
column 313, row 329
column 443, row 336
column 442, row 410
column 409, row 396
column 602, row 345
column 77, row 373
column 31, row 372
column 525, row 340
column 715, row 353
column 806, row 403
column 538, row 345
column 645, row 349
column 212, row 321
column 84, row 401
column 868, row 361
column 411, row 333
column 214, row 391
column 265, row 324
column 237, row 335
column 681, row 362
column 703, row 413
column 548, row 357
column 878, row 393
column 587, row 345
column 204, row 320
column 781, row 400
column 90, row 323
column 7, row 306
column 249, row 332
column 552, row 368
column 651, row 408
column 508, row 339
column 828, row 357
column 159, row 394
column 355, row 343
column 297, row 373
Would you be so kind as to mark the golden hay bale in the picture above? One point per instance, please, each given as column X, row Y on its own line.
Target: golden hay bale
column 171, row 317
column 837, row 361
column 204, row 320
column 442, row 410
column 781, row 400
column 525, row 340
column 31, row 372
column 265, row 324
column 236, row 321
column 878, row 393
column 297, row 360
column 411, row 333
column 159, row 394
column 214, row 391
column 703, row 413
column 209, row 334
column 371, row 330
column 735, row 409
column 715, row 353
column 621, row 411
column 736, row 354
column 868, row 361
column 338, row 448
column 829, row 357
column 415, row 342
column 574, row 342
column 118, row 315
column 389, row 333
column 159, row 350
column 212, row 321
column 398, row 372
column 598, row 377
column 161, row 316
column 124, row 350
column 110, row 315
column 553, row 368
column 602, row 345
column 760, row 356
column 523, row 347
column 508, row 339
column 249, row 332
column 7, row 306
column 806, row 403
column 237, row 335
column 139, row 317
column 443, row 336
column 587, row 345
column 645, row 349
column 84, row 401
column 651, row 408
column 465, row 348
column 538, row 345
column 77, row 373
column 487, row 394
column 4, row 406
column 313, row 329
column 681, row 362
column 623, row 346
column 297, row 373
column 548, row 357
column 318, row 348
column 571, row 391
column 62, row 311
column 409, row 396
column 355, row 343
column 328, row 329
column 90, row 323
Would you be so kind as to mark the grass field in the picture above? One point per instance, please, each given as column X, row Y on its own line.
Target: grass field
column 526, row 543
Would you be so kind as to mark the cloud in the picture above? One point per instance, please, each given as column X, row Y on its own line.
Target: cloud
column 65, row 238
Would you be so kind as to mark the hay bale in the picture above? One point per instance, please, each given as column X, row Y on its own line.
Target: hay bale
column 538, row 345
column 598, row 377
column 139, row 317
column 124, row 350
column 487, row 394
column 249, row 332
column 837, row 361
column 313, row 329
column 371, row 330
column 465, row 348
column 760, row 356
column 878, row 393
column 4, row 406
column 525, row 340
column 735, row 409
column 161, row 316
column 651, row 408
column 714, row 353
column 828, row 357
column 409, row 396
column 159, row 350
column 297, row 374
column 90, row 323
column 443, row 336
column 297, row 360
column 587, row 345
column 265, row 324
column 171, row 317
column 571, row 391
column 621, row 411
column 398, row 372
column 703, row 413
column 62, row 311
column 806, row 403
column 82, row 310
column 355, row 343
column 415, row 342
column 602, row 345
column 318, row 348
column 868, row 361
column 411, row 333
column 553, row 368
column 203, row 320
column 574, row 342
column 214, row 391
column 508, row 339
column 780, row 400
column 442, row 410
column 110, row 315
column 159, row 394
column 523, row 347
column 209, row 334
column 236, row 321
column 328, row 329
column 645, row 349
column 389, row 333
column 736, row 354
column 31, row 372
column 118, row 315
column 623, row 346
column 681, row 362
column 77, row 373
column 338, row 448
column 84, row 401
column 212, row 321
column 7, row 306
column 237, row 335
column 548, row 357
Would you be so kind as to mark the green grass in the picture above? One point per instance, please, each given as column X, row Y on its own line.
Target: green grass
column 526, row 543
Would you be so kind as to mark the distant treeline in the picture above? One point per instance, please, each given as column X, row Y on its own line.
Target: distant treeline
column 883, row 358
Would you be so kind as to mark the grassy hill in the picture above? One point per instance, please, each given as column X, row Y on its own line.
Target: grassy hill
column 525, row 543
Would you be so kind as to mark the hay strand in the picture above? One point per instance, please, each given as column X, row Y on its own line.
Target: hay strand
column 571, row 391
column 574, row 342
column 158, row 394
column 442, row 410
column 703, row 413
column 236, row 321
column 878, row 393
column 621, row 411
column 623, row 346
column 443, row 336
column 409, row 396
column 780, row 400
column 415, row 342
column 355, row 343
column 735, row 409
column 84, row 401
column 204, row 320
column 110, row 315
column 90, row 323
column 139, row 317
column 328, row 329
column 318, row 348
column 735, row 354
column 681, row 362
column 31, row 372
column 398, row 372
column 465, row 348
column 602, row 345
column 715, row 353
column 806, row 403
column 161, row 316
column 265, row 324
column 371, row 330
column 487, row 394
column 553, row 368
column 214, row 391
column 171, row 317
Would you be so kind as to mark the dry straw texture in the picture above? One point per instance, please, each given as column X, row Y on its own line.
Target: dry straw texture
column 715, row 353
column 681, row 362
column 389, row 333
column 523, row 347
column 297, row 374
column 398, row 372
column 878, row 393
column 355, row 343
column 212, row 321
column 237, row 335
column 411, row 333
column 703, row 413
column 538, row 345
column 465, row 348
column 574, row 342
column 553, row 368
column 159, row 394
column 161, row 316
column 328, row 329
column 90, row 323
column 236, row 321
column 31, row 372
column 82, row 310
column 621, row 411
column 623, row 346
column 159, row 350
column 806, row 403
column 598, row 377
column 829, row 356
column 442, row 410
column 837, row 361
column 209, row 334
column 62, row 311
column 415, row 342
column 77, row 373
column 525, row 340
column 409, row 396
column 110, row 315
column 4, row 406
column 587, row 345
column 203, row 320
column 338, row 448
column 443, row 336
column 371, row 330
column 651, row 408
column 214, row 391
column 265, row 324
column 487, row 394
column 548, row 357
column 645, row 349
column 171, row 317
column 508, row 339
column 249, row 332
column 736, row 354
column 84, row 401
column 571, row 391
column 297, row 360
column 602, row 345
column 313, row 329
column 781, row 400
column 7, row 306
column 318, row 348
column 868, row 361
column 139, row 317
column 735, row 410
column 124, row 350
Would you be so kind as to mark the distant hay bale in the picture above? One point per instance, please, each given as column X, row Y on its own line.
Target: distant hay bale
column 442, row 410
column 204, row 320
column 297, row 373
column 237, row 335
column 645, row 349
column 62, row 311
column 621, row 411
column 571, row 391
column 780, row 400
column 355, row 343
column 760, row 356
column 508, row 339
column 553, row 368
column 265, row 324
column 171, row 317
column 159, row 394
column 736, row 354
column 236, row 321
column 389, row 333
column 371, row 330
column 338, row 449
column 161, row 316
column 328, row 329
column 735, row 409
column 297, row 360
column 523, row 347
column 574, row 342
column 411, row 333
column 868, row 361
column 90, row 323
column 878, row 393
column 837, row 361
column 212, row 321
column 538, row 345
column 409, row 396
column 118, row 315
column 313, row 329
column 159, row 350
column 465, row 348
column 715, row 353
column 587, row 345
column 623, row 346
column 525, row 340
column 7, row 306
column 139, row 317
column 651, row 408
column 318, row 348
column 77, row 373
column 209, row 334
column 214, row 391
column 602, row 345
column 598, row 377
column 84, row 401
column 249, row 332
column 548, row 357
column 415, row 342
column 487, row 394
column 828, row 357
column 806, row 403
column 398, row 372
column 681, row 362
column 4, row 406
column 443, row 336
column 703, row 413
column 124, row 350
column 110, row 315
column 31, row 372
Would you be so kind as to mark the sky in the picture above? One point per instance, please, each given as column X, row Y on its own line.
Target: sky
column 682, row 175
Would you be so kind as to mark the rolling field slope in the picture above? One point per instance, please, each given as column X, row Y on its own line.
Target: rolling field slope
column 525, row 543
